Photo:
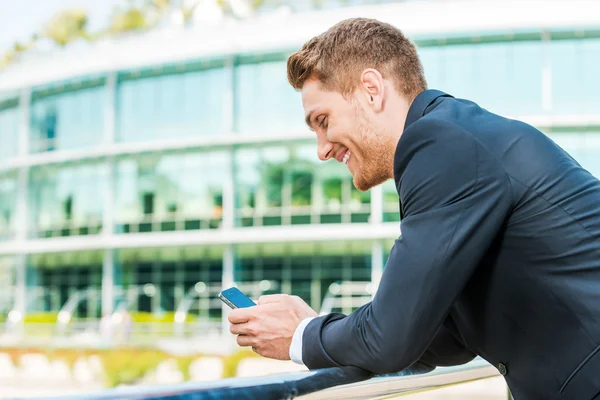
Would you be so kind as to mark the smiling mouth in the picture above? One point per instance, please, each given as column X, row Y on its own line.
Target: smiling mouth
column 346, row 157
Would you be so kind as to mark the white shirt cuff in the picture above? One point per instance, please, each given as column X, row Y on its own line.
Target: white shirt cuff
column 296, row 346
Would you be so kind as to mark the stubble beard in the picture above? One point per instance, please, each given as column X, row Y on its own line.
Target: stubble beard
column 377, row 155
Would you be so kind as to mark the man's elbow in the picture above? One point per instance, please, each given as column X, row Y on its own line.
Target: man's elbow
column 391, row 359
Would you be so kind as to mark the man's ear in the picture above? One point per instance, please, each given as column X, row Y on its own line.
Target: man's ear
column 372, row 84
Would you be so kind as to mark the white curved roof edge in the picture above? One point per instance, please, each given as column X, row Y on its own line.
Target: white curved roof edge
column 267, row 33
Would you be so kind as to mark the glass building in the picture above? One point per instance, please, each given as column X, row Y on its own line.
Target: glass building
column 182, row 168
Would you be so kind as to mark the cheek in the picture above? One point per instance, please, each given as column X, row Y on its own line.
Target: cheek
column 342, row 133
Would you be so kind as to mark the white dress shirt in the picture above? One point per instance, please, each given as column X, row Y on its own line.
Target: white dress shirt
column 296, row 346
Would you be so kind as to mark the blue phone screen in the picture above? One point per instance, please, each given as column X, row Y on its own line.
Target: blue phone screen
column 237, row 298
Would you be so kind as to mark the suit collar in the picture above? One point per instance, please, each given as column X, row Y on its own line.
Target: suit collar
column 419, row 105
column 418, row 108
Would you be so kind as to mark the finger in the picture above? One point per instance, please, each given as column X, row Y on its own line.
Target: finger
column 242, row 329
column 245, row 341
column 272, row 298
column 240, row 315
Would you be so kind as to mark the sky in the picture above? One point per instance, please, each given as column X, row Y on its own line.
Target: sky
column 19, row 19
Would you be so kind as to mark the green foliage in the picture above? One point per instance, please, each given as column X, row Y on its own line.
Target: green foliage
column 19, row 47
column 318, row 3
column 332, row 188
column 41, row 318
column 184, row 366
column 132, row 19
column 230, row 364
column 67, row 26
column 160, row 4
column 166, row 317
column 128, row 365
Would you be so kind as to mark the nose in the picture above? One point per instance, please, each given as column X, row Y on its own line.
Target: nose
column 325, row 150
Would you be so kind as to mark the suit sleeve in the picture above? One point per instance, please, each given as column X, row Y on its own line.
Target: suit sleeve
column 456, row 198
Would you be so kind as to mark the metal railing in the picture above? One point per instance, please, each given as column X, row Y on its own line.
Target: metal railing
column 324, row 384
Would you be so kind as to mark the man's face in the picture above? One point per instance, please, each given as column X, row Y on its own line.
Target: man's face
column 346, row 132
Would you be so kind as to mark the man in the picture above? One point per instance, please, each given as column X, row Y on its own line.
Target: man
column 499, row 254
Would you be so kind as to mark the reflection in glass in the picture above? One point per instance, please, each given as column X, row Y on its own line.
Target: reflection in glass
column 305, row 270
column 67, row 200
column 8, row 195
column 489, row 74
column 160, row 279
column 171, row 106
column 264, row 100
column 583, row 147
column 67, row 120
column 9, row 131
column 391, row 202
column 289, row 185
column 171, row 192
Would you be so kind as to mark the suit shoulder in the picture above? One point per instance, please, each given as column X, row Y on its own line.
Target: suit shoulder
column 435, row 134
column 433, row 127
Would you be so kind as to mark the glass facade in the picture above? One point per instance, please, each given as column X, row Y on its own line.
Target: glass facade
column 489, row 74
column 305, row 269
column 7, row 280
column 67, row 118
column 171, row 192
column 289, row 185
column 56, row 277
column 9, row 129
column 67, row 200
column 187, row 101
column 240, row 185
column 264, row 100
column 583, row 146
column 8, row 203
column 158, row 280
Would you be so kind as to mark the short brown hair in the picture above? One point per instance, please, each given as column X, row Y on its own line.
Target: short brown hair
column 338, row 56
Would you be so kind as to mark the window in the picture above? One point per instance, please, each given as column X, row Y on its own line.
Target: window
column 307, row 270
column 289, row 185
column 171, row 192
column 67, row 120
column 575, row 82
column 505, row 78
column 583, row 147
column 8, row 203
column 7, row 281
column 391, row 202
column 264, row 100
column 9, row 129
column 67, row 200
column 59, row 276
column 159, row 280
column 567, row 76
column 171, row 106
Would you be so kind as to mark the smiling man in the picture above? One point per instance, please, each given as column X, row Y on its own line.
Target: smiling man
column 499, row 254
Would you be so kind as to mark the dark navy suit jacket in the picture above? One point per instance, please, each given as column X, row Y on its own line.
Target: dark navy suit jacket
column 499, row 256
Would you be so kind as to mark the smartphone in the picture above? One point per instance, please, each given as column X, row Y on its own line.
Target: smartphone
column 234, row 298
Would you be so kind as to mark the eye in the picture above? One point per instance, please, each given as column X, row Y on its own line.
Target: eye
column 323, row 124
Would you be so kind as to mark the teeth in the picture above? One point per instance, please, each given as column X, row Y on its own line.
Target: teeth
column 346, row 157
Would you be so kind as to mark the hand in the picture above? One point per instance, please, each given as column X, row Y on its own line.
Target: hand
column 269, row 327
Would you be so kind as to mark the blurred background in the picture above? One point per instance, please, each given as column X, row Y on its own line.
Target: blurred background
column 152, row 153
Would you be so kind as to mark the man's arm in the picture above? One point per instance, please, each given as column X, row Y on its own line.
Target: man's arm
column 455, row 198
column 444, row 351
